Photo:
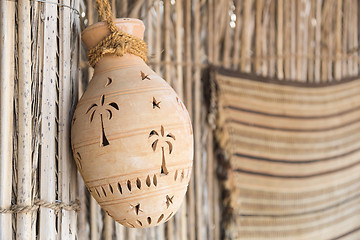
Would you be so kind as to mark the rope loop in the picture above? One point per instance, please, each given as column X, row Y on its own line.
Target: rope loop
column 118, row 42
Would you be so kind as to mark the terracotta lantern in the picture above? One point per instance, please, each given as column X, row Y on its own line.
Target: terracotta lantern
column 131, row 136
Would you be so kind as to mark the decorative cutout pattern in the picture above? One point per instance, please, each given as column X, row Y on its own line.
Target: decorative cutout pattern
column 155, row 180
column 138, row 183
column 144, row 76
column 139, row 222
column 103, row 191
column 119, row 188
column 155, row 103
column 169, row 216
column 102, row 110
column 160, row 218
column 136, row 208
column 162, row 139
column 109, row 81
column 180, row 103
column 182, row 174
column 169, row 200
column 176, row 175
column 109, row 189
column 148, row 181
column 148, row 220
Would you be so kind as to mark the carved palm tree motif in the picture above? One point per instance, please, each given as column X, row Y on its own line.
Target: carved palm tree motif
column 163, row 141
column 102, row 109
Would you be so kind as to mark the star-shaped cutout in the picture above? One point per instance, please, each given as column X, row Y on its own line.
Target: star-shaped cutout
column 136, row 208
column 155, row 103
column 169, row 200
column 144, row 76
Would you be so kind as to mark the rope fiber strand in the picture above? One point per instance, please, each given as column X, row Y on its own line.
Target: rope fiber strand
column 57, row 207
column 118, row 42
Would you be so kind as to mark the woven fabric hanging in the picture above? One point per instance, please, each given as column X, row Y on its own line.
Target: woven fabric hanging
column 294, row 157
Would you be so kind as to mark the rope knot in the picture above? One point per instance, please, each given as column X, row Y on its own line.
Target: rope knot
column 118, row 42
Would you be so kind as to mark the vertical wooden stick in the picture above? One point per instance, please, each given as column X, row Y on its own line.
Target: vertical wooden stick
column 168, row 68
column 189, row 105
column 279, row 40
column 48, row 123
column 258, row 35
column 132, row 234
column 94, row 209
column 197, row 124
column 311, row 43
column 108, row 227
column 74, row 84
column 237, row 35
column 24, row 171
column 265, row 41
column 331, row 42
column 227, row 46
column 210, row 31
column 287, row 39
column 7, row 66
column 345, row 36
column 167, row 29
column 82, row 219
column 158, row 38
column 179, row 49
column 355, row 36
column 160, row 232
column 210, row 59
column 293, row 39
column 90, row 11
column 180, row 91
column 113, row 7
column 217, row 204
column 210, row 180
column 302, row 31
column 125, row 6
column 65, row 100
column 149, row 30
column 218, row 25
column 120, row 231
column 272, row 45
column 338, row 37
column 318, row 41
column 246, row 37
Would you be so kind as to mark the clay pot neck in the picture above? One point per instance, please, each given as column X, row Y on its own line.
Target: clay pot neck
column 93, row 34
column 111, row 62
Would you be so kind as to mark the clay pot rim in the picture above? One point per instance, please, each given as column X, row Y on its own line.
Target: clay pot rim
column 116, row 21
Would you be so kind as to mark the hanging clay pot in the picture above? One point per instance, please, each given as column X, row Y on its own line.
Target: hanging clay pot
column 131, row 136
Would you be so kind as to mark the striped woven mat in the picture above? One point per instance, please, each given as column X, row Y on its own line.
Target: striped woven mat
column 294, row 157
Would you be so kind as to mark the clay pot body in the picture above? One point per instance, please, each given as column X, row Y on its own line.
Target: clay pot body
column 131, row 136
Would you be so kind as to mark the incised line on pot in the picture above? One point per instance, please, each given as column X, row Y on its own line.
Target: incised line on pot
column 162, row 139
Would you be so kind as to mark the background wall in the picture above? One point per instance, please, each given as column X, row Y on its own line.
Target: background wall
column 43, row 71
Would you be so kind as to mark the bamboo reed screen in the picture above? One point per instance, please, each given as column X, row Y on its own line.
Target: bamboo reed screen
column 43, row 70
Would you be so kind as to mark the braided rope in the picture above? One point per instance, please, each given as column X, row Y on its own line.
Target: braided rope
column 118, row 42
column 57, row 207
